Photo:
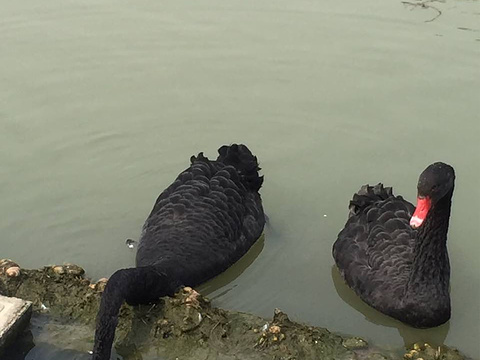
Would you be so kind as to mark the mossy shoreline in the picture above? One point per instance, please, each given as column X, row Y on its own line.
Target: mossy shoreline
column 187, row 327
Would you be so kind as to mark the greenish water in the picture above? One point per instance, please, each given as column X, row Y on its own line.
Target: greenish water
column 103, row 102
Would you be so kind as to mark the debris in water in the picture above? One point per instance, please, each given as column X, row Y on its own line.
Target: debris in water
column 130, row 243
column 425, row 4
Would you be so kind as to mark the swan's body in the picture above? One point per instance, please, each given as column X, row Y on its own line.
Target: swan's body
column 199, row 226
column 395, row 256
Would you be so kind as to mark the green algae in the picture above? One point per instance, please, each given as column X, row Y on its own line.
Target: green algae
column 186, row 326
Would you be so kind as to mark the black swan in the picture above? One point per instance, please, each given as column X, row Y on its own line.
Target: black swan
column 395, row 256
column 199, row 226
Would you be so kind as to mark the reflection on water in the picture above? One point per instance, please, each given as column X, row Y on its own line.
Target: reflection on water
column 223, row 280
column 410, row 335
column 47, row 351
column 50, row 339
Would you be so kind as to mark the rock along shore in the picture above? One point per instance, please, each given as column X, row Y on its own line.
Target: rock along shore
column 187, row 327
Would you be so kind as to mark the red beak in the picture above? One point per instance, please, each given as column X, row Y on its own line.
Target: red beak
column 423, row 206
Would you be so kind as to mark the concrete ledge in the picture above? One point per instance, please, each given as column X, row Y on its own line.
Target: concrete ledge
column 14, row 318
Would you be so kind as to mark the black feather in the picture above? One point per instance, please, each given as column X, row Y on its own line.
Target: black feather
column 400, row 271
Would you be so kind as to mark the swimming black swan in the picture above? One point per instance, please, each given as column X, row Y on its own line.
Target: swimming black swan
column 199, row 226
column 395, row 256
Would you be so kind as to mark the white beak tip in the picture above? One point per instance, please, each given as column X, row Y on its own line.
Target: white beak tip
column 415, row 222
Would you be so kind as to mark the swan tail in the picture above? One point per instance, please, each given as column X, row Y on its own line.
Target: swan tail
column 240, row 157
column 135, row 286
column 368, row 195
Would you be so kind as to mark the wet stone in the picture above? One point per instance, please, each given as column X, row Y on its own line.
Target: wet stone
column 355, row 343
column 14, row 318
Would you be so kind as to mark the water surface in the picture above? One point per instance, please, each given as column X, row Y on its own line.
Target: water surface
column 103, row 103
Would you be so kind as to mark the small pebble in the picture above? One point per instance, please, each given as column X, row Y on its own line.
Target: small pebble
column 355, row 343
column 59, row 270
column 100, row 285
column 74, row 269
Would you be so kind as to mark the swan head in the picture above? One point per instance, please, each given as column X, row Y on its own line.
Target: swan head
column 435, row 182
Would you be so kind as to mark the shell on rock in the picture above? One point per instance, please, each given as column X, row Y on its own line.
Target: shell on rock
column 99, row 285
column 71, row 269
column 9, row 267
column 13, row 271
column 274, row 329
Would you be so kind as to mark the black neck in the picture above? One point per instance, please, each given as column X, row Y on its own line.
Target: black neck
column 431, row 257
column 136, row 286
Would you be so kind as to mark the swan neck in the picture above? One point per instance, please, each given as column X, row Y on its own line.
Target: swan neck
column 136, row 286
column 431, row 264
column 434, row 231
